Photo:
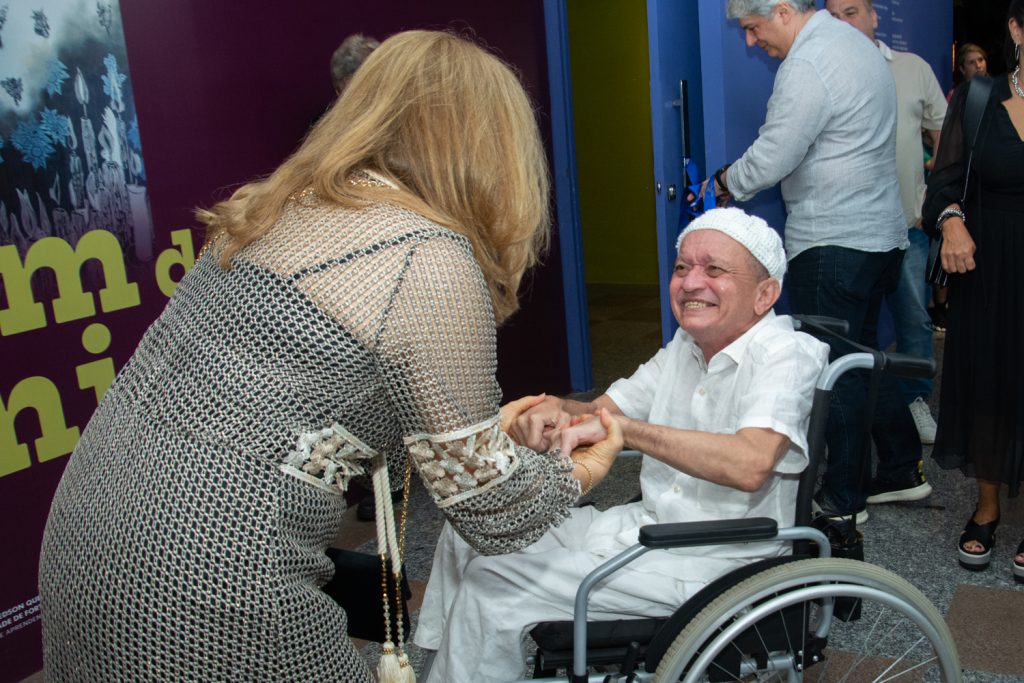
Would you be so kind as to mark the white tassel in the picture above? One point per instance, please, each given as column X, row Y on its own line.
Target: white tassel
column 389, row 669
column 408, row 675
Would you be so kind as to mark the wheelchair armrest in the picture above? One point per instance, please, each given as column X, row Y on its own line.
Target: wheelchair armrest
column 687, row 534
column 902, row 365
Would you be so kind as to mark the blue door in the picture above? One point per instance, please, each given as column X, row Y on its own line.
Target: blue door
column 676, row 118
column 674, row 55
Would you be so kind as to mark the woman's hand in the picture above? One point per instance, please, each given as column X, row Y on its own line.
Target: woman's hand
column 957, row 246
column 534, row 425
column 601, row 456
column 583, row 430
column 513, row 409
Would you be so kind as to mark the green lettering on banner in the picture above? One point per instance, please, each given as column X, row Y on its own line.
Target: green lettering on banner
column 57, row 438
column 171, row 257
column 23, row 313
column 97, row 375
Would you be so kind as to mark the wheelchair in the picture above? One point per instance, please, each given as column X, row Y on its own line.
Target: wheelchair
column 805, row 616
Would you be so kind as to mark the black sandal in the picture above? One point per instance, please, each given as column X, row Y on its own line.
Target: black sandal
column 1018, row 567
column 985, row 534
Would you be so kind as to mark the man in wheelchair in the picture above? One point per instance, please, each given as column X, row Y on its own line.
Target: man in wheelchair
column 720, row 415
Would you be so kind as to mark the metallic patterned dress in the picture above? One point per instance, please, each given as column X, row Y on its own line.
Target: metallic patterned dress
column 186, row 539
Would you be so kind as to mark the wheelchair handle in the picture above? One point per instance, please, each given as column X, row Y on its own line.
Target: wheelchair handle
column 821, row 325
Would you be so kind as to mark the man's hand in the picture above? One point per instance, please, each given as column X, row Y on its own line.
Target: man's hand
column 601, row 455
column 513, row 409
column 722, row 196
column 584, row 430
column 534, row 427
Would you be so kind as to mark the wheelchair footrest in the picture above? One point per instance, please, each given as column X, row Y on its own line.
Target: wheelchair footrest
column 562, row 659
column 557, row 635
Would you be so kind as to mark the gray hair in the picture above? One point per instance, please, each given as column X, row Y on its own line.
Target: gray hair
column 352, row 52
column 744, row 8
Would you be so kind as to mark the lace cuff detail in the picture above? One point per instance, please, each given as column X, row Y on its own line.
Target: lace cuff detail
column 329, row 458
column 458, row 465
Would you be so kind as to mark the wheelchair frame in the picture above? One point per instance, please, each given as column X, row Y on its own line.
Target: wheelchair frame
column 821, row 579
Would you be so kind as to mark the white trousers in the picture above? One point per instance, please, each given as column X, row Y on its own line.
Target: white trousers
column 477, row 609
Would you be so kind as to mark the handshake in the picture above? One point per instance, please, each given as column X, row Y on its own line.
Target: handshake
column 542, row 423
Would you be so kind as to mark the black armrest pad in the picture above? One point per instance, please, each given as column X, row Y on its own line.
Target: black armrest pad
column 686, row 534
column 902, row 365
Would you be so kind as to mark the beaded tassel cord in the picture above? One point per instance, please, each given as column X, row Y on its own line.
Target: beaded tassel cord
column 394, row 666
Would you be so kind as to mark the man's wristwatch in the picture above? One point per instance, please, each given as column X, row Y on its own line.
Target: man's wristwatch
column 720, row 180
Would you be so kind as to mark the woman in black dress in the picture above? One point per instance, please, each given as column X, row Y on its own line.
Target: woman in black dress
column 981, row 411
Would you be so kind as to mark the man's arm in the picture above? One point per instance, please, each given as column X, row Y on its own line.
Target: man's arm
column 798, row 110
column 743, row 460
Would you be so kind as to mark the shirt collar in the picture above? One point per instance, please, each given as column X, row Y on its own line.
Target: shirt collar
column 886, row 51
column 736, row 349
column 819, row 16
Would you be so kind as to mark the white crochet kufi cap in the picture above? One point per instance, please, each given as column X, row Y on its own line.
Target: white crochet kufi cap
column 752, row 232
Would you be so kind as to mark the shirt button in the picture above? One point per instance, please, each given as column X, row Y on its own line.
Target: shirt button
column 701, row 391
column 676, row 489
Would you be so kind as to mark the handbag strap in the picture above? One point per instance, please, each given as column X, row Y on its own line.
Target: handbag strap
column 978, row 90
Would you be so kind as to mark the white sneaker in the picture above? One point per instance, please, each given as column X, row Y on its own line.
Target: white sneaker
column 923, row 420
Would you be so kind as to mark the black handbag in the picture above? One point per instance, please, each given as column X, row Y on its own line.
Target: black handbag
column 934, row 274
column 356, row 586
column 977, row 97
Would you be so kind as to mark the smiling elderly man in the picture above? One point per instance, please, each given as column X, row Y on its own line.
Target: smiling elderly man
column 829, row 138
column 721, row 415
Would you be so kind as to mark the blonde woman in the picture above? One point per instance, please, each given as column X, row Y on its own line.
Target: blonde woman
column 343, row 313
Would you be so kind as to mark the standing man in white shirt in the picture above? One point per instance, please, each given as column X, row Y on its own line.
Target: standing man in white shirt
column 920, row 105
column 829, row 138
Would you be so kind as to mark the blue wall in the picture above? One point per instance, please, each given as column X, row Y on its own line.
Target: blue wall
column 924, row 27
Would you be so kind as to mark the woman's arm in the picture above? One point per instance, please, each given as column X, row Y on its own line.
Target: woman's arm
column 438, row 359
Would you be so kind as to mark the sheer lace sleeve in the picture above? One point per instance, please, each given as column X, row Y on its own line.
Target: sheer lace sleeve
column 437, row 350
column 946, row 182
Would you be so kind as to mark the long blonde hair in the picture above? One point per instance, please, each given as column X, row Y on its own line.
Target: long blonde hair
column 450, row 125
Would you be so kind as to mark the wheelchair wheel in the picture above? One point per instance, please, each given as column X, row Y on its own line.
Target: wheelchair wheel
column 815, row 620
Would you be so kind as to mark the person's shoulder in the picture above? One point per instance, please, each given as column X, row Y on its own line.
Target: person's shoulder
column 831, row 46
column 914, row 62
column 412, row 228
column 778, row 338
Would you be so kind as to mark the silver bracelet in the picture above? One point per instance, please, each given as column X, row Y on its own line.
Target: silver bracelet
column 946, row 213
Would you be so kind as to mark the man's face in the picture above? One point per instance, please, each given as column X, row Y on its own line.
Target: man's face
column 768, row 33
column 715, row 292
column 974, row 65
column 856, row 14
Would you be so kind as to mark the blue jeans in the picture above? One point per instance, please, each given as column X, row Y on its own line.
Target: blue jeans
column 909, row 308
column 849, row 284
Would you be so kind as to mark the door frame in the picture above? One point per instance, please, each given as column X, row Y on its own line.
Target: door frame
column 566, row 186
